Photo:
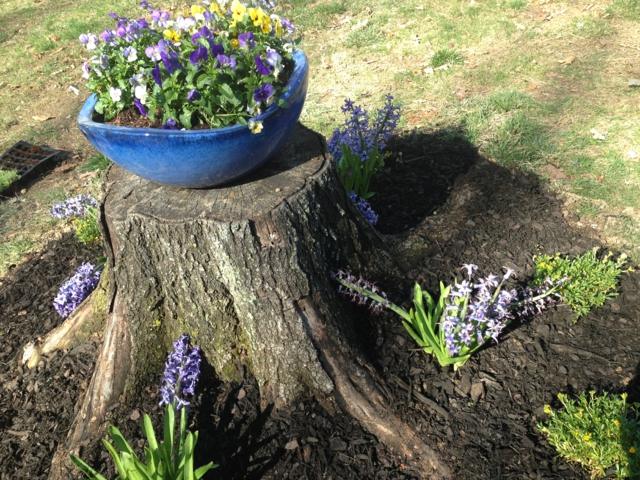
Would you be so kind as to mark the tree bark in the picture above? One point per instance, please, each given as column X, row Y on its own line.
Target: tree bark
column 231, row 267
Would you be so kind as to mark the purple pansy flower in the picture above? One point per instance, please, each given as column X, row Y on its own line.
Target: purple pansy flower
column 141, row 108
column 227, row 61
column 199, row 55
column 261, row 67
column 171, row 124
column 193, row 95
column 264, row 93
column 246, row 40
column 155, row 73
column 170, row 61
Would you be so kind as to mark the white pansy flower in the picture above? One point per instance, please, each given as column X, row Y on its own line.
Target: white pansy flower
column 140, row 92
column 115, row 94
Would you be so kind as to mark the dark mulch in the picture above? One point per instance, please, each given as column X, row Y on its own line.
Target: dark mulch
column 449, row 207
column 37, row 406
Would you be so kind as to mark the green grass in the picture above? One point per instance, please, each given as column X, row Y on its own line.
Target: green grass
column 592, row 27
column 587, row 280
column 627, row 9
column 516, row 4
column 12, row 251
column 446, row 56
column 95, row 163
column 599, row 432
column 7, row 177
column 365, row 36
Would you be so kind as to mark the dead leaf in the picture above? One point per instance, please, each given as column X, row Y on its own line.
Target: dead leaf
column 598, row 135
column 633, row 82
column 568, row 60
column 42, row 118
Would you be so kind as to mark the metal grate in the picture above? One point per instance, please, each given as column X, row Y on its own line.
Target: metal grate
column 27, row 160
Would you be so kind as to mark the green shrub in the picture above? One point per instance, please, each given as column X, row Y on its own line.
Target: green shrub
column 7, row 177
column 600, row 432
column 590, row 279
column 86, row 227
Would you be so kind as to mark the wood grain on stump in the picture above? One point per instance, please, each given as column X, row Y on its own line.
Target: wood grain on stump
column 246, row 271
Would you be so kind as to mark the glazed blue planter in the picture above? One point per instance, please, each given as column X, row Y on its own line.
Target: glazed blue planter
column 199, row 158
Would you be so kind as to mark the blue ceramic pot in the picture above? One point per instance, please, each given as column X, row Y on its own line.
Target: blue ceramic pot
column 199, row 158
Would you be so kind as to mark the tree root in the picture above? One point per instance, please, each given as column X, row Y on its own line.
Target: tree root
column 107, row 384
column 358, row 393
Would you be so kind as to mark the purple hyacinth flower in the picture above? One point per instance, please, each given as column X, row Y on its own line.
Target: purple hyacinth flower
column 73, row 291
column 171, row 124
column 193, row 95
column 227, row 61
column 181, row 373
column 73, row 207
column 261, row 67
column 155, row 73
column 199, row 55
column 170, row 61
column 264, row 93
column 365, row 208
column 141, row 108
column 246, row 40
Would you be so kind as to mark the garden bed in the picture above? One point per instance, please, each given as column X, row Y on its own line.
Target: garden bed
column 447, row 206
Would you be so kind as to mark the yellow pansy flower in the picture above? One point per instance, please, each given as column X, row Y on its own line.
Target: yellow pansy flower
column 266, row 24
column 238, row 10
column 277, row 25
column 255, row 14
column 197, row 10
column 172, row 35
column 215, row 8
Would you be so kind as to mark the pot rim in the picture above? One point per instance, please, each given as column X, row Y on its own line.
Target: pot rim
column 298, row 76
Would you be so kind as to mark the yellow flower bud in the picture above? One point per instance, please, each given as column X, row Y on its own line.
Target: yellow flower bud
column 548, row 410
column 235, row 43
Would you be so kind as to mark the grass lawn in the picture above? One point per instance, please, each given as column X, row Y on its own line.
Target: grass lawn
column 538, row 85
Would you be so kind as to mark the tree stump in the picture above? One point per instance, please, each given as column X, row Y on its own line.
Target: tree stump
column 246, row 271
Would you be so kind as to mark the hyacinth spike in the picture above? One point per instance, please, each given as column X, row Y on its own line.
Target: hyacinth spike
column 181, row 373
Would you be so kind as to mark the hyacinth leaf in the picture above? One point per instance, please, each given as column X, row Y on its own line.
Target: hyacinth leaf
column 89, row 471
column 183, row 426
column 188, row 457
column 116, row 458
column 119, row 442
column 201, row 472
column 152, row 450
column 422, row 320
column 167, row 450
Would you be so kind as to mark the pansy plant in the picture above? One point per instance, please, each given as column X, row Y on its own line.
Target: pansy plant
column 465, row 316
column 215, row 64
